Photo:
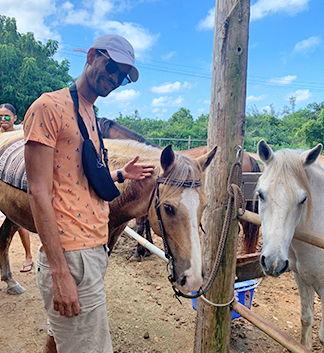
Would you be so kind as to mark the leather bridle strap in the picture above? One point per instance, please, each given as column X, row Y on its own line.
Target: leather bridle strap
column 172, row 182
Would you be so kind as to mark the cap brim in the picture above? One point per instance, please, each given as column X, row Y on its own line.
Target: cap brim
column 120, row 58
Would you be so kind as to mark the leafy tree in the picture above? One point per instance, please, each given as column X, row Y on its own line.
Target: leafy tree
column 27, row 68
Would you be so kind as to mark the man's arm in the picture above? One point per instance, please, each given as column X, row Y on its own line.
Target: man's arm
column 39, row 161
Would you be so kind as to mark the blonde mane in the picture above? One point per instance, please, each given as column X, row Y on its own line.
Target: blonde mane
column 285, row 166
column 184, row 168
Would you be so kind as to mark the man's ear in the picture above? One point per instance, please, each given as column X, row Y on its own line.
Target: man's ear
column 91, row 55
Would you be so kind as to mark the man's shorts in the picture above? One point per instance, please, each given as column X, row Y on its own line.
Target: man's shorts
column 89, row 331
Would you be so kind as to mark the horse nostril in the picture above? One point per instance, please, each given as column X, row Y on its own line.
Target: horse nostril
column 183, row 281
column 285, row 268
column 262, row 260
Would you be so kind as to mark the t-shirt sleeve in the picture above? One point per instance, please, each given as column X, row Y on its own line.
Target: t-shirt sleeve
column 41, row 122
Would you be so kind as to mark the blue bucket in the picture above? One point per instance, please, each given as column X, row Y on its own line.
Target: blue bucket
column 244, row 292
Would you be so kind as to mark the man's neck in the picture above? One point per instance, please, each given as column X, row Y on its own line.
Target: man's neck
column 84, row 89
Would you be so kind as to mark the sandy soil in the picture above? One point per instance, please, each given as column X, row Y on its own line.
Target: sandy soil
column 144, row 315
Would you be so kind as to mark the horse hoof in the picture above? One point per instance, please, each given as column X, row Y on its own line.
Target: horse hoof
column 147, row 253
column 17, row 289
column 138, row 257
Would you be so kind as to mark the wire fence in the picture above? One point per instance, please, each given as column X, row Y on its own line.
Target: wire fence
column 178, row 144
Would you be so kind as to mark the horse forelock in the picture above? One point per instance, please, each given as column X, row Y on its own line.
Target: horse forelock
column 183, row 168
column 285, row 167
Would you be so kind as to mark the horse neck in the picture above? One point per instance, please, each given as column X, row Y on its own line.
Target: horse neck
column 315, row 175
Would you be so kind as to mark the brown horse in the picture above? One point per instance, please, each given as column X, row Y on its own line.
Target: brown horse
column 111, row 129
column 180, row 207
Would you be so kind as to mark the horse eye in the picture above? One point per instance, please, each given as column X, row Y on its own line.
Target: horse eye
column 169, row 210
column 303, row 201
column 261, row 196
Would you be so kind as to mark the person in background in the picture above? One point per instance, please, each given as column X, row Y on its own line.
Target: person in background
column 70, row 218
column 7, row 118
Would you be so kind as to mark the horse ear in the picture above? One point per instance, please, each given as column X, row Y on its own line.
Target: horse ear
column 205, row 159
column 311, row 156
column 265, row 152
column 167, row 158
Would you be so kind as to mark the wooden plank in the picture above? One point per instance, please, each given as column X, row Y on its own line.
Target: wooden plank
column 249, row 181
column 248, row 267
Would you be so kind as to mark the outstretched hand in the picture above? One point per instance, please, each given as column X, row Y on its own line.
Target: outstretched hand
column 137, row 171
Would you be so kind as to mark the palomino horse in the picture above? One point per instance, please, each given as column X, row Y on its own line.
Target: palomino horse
column 111, row 129
column 181, row 203
column 291, row 194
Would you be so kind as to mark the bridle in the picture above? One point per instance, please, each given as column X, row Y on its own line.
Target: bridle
column 167, row 250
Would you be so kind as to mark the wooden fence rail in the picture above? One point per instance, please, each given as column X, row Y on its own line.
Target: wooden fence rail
column 300, row 234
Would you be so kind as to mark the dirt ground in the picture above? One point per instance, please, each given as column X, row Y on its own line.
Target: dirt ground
column 144, row 315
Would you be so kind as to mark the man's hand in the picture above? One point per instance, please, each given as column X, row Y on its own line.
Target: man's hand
column 65, row 295
column 137, row 171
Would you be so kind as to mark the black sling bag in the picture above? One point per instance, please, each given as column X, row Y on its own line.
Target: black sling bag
column 96, row 171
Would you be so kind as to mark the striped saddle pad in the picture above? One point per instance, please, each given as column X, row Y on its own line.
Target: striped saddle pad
column 12, row 162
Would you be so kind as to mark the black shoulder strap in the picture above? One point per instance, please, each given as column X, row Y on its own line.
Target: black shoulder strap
column 82, row 127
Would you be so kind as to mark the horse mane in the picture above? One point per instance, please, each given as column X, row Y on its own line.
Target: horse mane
column 131, row 149
column 284, row 166
column 183, row 168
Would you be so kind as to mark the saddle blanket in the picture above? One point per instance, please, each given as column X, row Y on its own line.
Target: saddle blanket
column 12, row 162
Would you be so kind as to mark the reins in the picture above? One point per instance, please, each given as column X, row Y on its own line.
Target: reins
column 235, row 202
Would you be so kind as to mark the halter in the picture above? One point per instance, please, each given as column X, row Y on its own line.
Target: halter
column 171, row 182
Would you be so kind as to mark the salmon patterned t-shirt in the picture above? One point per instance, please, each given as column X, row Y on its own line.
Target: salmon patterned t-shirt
column 82, row 217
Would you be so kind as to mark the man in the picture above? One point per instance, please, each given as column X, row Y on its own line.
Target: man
column 71, row 220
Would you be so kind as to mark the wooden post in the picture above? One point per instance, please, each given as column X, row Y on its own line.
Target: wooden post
column 226, row 130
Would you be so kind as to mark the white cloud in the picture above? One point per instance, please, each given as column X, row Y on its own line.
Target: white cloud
column 301, row 95
column 95, row 15
column 37, row 16
column 169, row 56
column 169, row 87
column 263, row 8
column 208, row 22
column 250, row 99
column 30, row 16
column 167, row 101
column 308, row 45
column 207, row 102
column 282, row 81
column 260, row 9
column 125, row 95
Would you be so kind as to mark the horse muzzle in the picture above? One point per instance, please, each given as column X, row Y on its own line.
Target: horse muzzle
column 188, row 282
column 272, row 266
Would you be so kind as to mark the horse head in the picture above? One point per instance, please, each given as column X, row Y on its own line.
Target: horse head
column 285, row 200
column 176, row 213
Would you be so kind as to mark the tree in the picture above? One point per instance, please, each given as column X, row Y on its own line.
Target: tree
column 27, row 68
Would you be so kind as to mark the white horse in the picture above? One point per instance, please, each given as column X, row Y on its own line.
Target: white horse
column 291, row 193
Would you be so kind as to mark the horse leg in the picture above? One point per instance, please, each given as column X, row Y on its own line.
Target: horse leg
column 142, row 224
column 7, row 230
column 148, row 235
column 320, row 293
column 250, row 230
column 306, row 294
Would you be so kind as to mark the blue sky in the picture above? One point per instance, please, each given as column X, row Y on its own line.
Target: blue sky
column 173, row 41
